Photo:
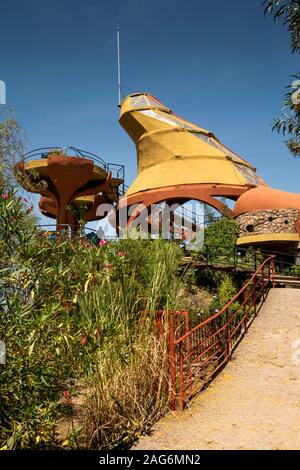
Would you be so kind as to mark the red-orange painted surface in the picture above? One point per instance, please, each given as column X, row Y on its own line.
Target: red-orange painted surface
column 264, row 198
column 67, row 179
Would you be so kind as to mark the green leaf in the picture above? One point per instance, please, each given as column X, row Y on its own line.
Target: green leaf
column 30, row 351
column 11, row 442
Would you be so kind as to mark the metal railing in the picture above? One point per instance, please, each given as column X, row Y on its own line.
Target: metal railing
column 234, row 257
column 43, row 152
column 248, row 258
column 118, row 171
column 201, row 352
column 285, row 263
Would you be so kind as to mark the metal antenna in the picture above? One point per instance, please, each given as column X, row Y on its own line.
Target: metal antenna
column 119, row 67
column 2, row 96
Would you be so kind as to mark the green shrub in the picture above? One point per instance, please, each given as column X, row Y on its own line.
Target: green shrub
column 222, row 233
column 295, row 271
column 68, row 311
column 226, row 291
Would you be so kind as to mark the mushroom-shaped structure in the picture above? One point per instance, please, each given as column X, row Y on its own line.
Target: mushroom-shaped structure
column 82, row 207
column 268, row 217
column 178, row 160
column 67, row 183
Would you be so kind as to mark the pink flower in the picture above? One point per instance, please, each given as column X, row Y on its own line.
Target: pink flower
column 67, row 398
column 107, row 266
column 5, row 196
column 29, row 209
column 25, row 199
column 121, row 253
column 102, row 242
column 83, row 340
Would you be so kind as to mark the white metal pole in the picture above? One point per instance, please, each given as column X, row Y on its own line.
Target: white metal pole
column 119, row 67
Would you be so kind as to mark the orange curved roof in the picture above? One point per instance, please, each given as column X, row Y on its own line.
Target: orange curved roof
column 264, row 198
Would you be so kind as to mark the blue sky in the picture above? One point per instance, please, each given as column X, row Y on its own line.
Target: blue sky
column 220, row 64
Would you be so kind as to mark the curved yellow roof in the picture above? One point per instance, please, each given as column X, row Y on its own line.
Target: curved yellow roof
column 173, row 151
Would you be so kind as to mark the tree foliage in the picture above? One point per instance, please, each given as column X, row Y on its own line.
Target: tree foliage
column 11, row 145
column 222, row 233
column 289, row 123
column 289, row 10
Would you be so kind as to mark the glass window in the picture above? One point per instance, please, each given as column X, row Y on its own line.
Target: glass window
column 160, row 117
column 250, row 175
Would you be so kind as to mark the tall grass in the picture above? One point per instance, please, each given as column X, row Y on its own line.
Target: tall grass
column 128, row 394
column 130, row 388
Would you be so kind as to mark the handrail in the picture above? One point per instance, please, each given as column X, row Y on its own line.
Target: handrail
column 117, row 170
column 199, row 353
column 234, row 298
column 250, row 250
column 77, row 151
column 222, row 255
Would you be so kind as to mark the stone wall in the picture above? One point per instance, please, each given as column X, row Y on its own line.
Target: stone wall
column 267, row 221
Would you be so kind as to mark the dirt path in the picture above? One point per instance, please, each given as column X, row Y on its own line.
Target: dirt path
column 255, row 402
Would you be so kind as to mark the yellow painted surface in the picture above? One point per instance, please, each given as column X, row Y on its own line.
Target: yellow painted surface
column 173, row 151
column 41, row 167
column 84, row 200
column 194, row 171
column 268, row 237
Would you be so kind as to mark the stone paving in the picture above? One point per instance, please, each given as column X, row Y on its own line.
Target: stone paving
column 254, row 403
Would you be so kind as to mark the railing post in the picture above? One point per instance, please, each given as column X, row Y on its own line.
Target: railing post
column 263, row 282
column 187, row 329
column 273, row 272
column 245, row 312
column 227, row 336
column 255, row 296
column 181, row 380
column 172, row 360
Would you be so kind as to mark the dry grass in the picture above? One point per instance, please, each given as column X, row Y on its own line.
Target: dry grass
column 127, row 395
column 197, row 302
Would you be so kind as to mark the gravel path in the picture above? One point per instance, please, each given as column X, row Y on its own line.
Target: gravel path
column 254, row 403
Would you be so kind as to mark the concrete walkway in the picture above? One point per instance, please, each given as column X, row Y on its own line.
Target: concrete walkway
column 255, row 402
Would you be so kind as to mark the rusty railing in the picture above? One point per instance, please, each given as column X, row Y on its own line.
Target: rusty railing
column 197, row 355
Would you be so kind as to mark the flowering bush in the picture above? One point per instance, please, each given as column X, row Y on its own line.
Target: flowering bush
column 68, row 309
